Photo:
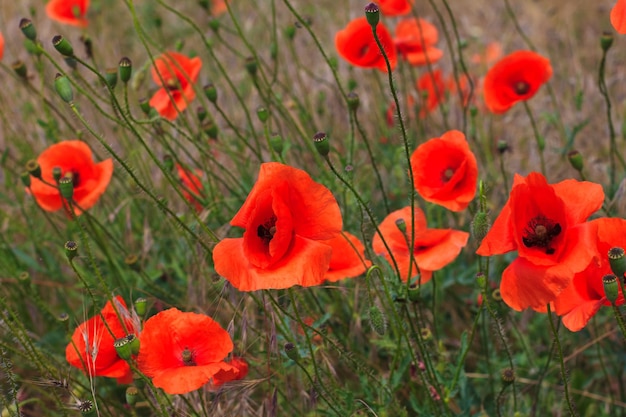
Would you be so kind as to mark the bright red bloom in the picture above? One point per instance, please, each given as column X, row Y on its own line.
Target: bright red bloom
column 348, row 257
column 516, row 77
column 69, row 12
column 75, row 159
column 618, row 16
column 181, row 352
column 91, row 348
column 222, row 377
column 546, row 224
column 356, row 44
column 175, row 74
column 415, row 40
column 432, row 248
column 286, row 218
column 432, row 90
column 1, row 46
column 394, row 7
column 218, row 7
column 445, row 171
column 192, row 185
column 582, row 300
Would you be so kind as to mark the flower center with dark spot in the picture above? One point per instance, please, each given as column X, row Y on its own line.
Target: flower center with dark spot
column 172, row 84
column 74, row 176
column 447, row 175
column 364, row 50
column 187, row 357
column 267, row 230
column 522, row 87
column 540, row 232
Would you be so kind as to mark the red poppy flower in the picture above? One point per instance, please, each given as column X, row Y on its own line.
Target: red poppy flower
column 1, row 46
column 432, row 89
column 348, row 257
column 69, row 12
column 239, row 372
column 356, row 44
column 175, row 74
column 218, row 7
column 445, row 171
column 516, row 77
column 75, row 159
column 492, row 52
column 415, row 40
column 394, row 7
column 91, row 348
column 618, row 16
column 546, row 224
column 582, row 300
column 287, row 216
column 192, row 185
column 183, row 351
column 432, row 248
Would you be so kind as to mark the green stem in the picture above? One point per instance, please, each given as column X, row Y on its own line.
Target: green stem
column 570, row 405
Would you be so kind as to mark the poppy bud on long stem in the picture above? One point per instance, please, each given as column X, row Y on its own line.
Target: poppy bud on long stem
column 377, row 320
column 64, row 88
column 320, row 140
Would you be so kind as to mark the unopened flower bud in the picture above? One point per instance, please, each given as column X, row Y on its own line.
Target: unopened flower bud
column 62, row 45
column 126, row 69
column 481, row 280
column 617, row 261
column 377, row 320
column 71, row 249
column 32, row 47
column 210, row 92
column 320, row 140
column 20, row 69
column 28, row 29
column 401, row 225
column 168, row 163
column 276, row 142
column 372, row 13
column 611, row 287
column 214, row 24
column 480, row 226
column 292, row 352
column 576, row 160
column 132, row 393
column 144, row 105
column 606, row 40
column 201, row 113
column 64, row 88
column 290, row 32
column 210, row 128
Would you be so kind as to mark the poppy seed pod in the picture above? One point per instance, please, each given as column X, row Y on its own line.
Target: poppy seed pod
column 20, row 69
column 210, row 92
column 131, row 395
column 617, row 260
column 62, row 45
column 28, row 29
column 110, row 76
column 126, row 69
column 123, row 348
column 611, row 287
column 71, row 249
column 140, row 306
column 372, row 13
column 64, row 88
column 320, row 140
column 606, row 41
column 66, row 187
column 292, row 352
column 353, row 101
column 276, row 142
column 33, row 168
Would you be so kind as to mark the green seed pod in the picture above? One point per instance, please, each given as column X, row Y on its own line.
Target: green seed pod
column 292, row 352
column 126, row 69
column 576, row 160
column 401, row 225
column 25, row 177
column 71, row 249
column 132, row 393
column 86, row 408
column 135, row 343
column 320, row 140
column 606, row 41
column 64, row 88
column 33, row 168
column 503, row 146
column 56, row 173
column 66, row 187
column 251, row 66
column 110, row 75
column 210, row 92
column 144, row 105
column 202, row 113
column 377, row 320
column 611, row 287
column 290, row 32
column 123, row 347
column 263, row 114
column 617, row 261
column 414, row 293
column 353, row 101
column 28, row 29
column 372, row 13
column 214, row 25
column 210, row 129
column 276, row 142
column 62, row 45
column 141, row 305
column 20, row 69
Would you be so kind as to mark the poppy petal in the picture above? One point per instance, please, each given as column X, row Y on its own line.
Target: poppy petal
column 618, row 16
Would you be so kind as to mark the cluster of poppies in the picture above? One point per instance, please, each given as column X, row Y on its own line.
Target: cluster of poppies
column 180, row 352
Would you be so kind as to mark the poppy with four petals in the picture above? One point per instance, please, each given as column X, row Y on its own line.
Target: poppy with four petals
column 415, row 41
column 356, row 44
column 175, row 73
column 76, row 161
column 287, row 217
column 546, row 224
column 181, row 352
column 69, row 12
column 432, row 248
column 516, row 77
column 445, row 171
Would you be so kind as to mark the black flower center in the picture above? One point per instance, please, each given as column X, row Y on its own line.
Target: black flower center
column 187, row 357
column 447, row 175
column 522, row 87
column 540, row 232
column 267, row 230
column 172, row 84
column 74, row 175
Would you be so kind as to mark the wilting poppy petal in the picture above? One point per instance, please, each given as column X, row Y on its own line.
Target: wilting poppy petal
column 239, row 371
column 356, row 44
column 618, row 16
column 348, row 257
column 445, row 171
column 432, row 248
column 91, row 348
column 394, row 7
column 182, row 351
column 74, row 158
column 287, row 216
column 415, row 40
column 69, row 12
column 175, row 73
column 546, row 224
column 516, row 77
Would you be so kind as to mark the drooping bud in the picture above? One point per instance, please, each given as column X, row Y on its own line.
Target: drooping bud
column 210, row 92
column 377, row 320
column 606, row 40
column 123, row 348
column 372, row 13
column 71, row 249
column 276, row 142
column 132, row 393
column 64, row 88
column 401, row 225
column 611, row 287
column 141, row 305
column 481, row 223
column 110, row 75
column 320, row 140
column 263, row 114
column 20, row 69
column 353, row 101
column 33, row 168
column 28, row 29
column 292, row 352
column 66, row 187
column 576, row 160
column 62, row 45
column 617, row 260
column 126, row 69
